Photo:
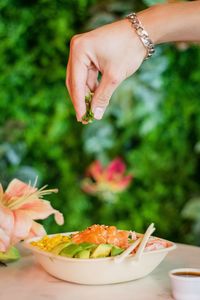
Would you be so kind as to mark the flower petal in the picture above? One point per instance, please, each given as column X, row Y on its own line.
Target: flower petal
column 17, row 188
column 41, row 209
column 4, row 240
column 95, row 170
column 120, row 185
column 88, row 186
column 124, row 182
column 1, row 193
column 37, row 230
column 22, row 226
column 6, row 219
column 115, row 169
column 58, row 217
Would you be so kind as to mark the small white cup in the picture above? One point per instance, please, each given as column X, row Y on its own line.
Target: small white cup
column 183, row 287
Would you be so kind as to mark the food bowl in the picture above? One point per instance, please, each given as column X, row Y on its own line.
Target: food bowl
column 97, row 271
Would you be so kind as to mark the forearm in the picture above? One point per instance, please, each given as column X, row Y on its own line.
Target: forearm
column 172, row 22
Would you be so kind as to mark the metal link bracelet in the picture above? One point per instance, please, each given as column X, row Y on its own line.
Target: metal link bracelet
column 143, row 35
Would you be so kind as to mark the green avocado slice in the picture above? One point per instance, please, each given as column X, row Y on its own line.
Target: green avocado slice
column 116, row 251
column 11, row 255
column 88, row 246
column 71, row 250
column 83, row 254
column 102, row 250
column 86, row 249
column 58, row 248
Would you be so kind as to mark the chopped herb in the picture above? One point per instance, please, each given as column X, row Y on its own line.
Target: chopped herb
column 89, row 115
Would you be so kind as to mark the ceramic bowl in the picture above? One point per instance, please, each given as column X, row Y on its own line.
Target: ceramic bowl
column 185, row 287
column 98, row 270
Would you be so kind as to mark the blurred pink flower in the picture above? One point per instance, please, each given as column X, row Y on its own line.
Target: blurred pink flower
column 111, row 179
column 20, row 205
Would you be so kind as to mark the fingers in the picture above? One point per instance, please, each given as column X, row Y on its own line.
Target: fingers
column 103, row 93
column 92, row 81
column 78, row 88
column 82, row 74
column 77, row 73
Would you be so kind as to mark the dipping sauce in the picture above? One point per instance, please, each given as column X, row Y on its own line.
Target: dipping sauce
column 187, row 274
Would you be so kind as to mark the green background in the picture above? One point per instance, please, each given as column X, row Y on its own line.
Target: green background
column 153, row 121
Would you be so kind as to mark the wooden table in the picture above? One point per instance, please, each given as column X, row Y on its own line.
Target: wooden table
column 26, row 280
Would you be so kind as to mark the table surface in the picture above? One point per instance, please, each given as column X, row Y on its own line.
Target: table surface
column 26, row 280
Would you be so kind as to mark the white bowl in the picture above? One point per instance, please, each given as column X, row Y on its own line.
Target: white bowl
column 183, row 287
column 98, row 270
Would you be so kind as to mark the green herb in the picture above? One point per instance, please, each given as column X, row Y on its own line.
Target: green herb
column 89, row 115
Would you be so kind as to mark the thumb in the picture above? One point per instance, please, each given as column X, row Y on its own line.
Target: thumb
column 103, row 93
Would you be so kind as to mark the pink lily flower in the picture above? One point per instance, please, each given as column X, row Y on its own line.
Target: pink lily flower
column 110, row 179
column 20, row 205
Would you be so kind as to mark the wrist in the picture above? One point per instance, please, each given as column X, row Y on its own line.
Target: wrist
column 152, row 19
column 172, row 22
column 142, row 34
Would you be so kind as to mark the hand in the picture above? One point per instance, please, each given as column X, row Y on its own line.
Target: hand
column 113, row 50
column 116, row 51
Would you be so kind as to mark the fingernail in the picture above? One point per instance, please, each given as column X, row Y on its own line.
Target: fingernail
column 98, row 113
column 78, row 119
column 79, row 116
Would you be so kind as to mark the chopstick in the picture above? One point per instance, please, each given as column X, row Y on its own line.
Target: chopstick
column 141, row 241
column 119, row 258
column 144, row 241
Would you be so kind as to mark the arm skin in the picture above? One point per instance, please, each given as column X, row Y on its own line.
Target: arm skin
column 175, row 22
column 116, row 51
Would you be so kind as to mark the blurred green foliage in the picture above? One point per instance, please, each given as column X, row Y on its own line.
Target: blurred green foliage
column 153, row 121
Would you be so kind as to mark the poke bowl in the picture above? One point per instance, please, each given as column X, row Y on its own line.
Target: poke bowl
column 91, row 256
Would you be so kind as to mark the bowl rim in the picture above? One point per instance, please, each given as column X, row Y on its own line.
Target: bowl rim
column 27, row 245
column 174, row 277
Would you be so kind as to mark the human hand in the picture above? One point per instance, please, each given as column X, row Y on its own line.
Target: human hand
column 116, row 51
column 113, row 50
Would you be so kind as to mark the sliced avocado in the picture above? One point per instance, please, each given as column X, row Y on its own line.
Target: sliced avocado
column 58, row 248
column 102, row 250
column 83, row 254
column 71, row 250
column 86, row 246
column 116, row 251
column 11, row 255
